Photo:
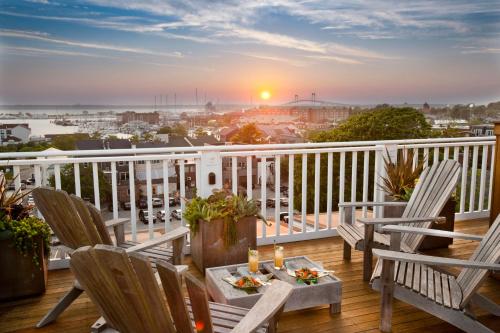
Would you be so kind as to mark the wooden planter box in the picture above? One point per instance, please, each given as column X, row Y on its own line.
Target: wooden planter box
column 431, row 242
column 20, row 276
column 393, row 211
column 207, row 246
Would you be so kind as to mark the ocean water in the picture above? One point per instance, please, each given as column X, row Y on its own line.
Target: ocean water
column 40, row 127
column 62, row 110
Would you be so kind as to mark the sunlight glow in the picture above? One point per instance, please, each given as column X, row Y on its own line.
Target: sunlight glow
column 265, row 95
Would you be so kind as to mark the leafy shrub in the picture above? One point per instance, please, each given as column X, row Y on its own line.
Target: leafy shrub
column 221, row 205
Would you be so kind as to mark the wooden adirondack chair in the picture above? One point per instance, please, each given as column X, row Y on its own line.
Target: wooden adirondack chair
column 77, row 223
column 124, row 288
column 435, row 186
column 418, row 280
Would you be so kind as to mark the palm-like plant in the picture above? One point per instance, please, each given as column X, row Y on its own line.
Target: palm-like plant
column 11, row 204
column 401, row 176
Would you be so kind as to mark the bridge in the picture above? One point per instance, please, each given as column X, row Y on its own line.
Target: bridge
column 311, row 102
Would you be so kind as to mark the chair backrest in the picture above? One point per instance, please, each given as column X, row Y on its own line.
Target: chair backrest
column 171, row 282
column 91, row 216
column 435, row 186
column 123, row 288
column 63, row 217
column 488, row 251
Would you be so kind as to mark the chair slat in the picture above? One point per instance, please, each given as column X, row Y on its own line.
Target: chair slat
column 199, row 304
column 430, row 283
column 172, row 288
column 438, row 291
column 416, row 278
column 409, row 275
column 446, row 290
column 488, row 251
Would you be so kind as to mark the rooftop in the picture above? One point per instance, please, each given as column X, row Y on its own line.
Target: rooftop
column 360, row 304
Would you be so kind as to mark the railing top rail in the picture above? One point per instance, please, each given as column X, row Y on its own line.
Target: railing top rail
column 101, row 159
column 299, row 151
column 196, row 149
column 447, row 144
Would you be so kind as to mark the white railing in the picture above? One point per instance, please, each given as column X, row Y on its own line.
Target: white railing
column 317, row 175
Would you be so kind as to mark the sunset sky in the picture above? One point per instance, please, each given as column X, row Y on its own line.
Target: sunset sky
column 126, row 52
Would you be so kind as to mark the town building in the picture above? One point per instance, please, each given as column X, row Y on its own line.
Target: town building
column 14, row 133
column 122, row 171
column 152, row 118
column 482, row 130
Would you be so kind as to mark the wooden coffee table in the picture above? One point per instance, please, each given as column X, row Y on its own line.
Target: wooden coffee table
column 328, row 290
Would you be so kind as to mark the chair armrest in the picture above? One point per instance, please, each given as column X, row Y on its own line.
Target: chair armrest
column 431, row 232
column 398, row 220
column 433, row 261
column 371, row 203
column 116, row 222
column 266, row 307
column 169, row 236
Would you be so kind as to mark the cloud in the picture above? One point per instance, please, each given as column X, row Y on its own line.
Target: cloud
column 288, row 61
column 44, row 2
column 341, row 60
column 120, row 24
column 33, row 51
column 108, row 47
column 273, row 39
column 480, row 50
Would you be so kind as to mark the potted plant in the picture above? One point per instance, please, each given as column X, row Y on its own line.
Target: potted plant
column 400, row 181
column 223, row 228
column 399, row 185
column 24, row 246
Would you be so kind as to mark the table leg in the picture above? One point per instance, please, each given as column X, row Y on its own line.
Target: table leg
column 335, row 308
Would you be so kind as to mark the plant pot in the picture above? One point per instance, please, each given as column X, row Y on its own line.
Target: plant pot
column 21, row 277
column 207, row 246
column 432, row 242
column 393, row 211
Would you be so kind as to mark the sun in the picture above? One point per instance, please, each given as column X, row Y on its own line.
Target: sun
column 265, row 95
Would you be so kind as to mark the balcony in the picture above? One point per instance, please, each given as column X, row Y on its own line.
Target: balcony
column 360, row 304
column 317, row 175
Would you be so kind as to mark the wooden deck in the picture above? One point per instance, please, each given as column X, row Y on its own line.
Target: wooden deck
column 360, row 305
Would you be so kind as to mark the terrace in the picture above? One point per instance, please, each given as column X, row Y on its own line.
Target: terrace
column 321, row 174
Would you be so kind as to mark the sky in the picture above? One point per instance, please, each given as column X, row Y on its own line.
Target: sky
column 362, row 52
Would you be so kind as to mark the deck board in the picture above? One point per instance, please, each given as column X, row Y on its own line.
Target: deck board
column 360, row 304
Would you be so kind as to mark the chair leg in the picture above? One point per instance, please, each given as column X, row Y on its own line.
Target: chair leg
column 387, row 293
column 486, row 304
column 273, row 322
column 347, row 251
column 367, row 252
column 63, row 303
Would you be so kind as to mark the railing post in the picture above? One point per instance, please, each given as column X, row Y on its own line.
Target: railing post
column 383, row 151
column 495, row 198
column 210, row 172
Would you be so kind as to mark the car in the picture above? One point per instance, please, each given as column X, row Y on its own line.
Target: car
column 283, row 188
column 30, row 201
column 271, row 202
column 174, row 201
column 284, row 202
column 160, row 215
column 144, row 216
column 125, row 205
column 176, row 214
column 284, row 217
column 157, row 202
column 11, row 187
